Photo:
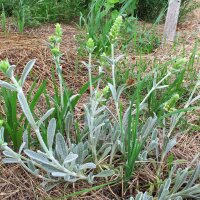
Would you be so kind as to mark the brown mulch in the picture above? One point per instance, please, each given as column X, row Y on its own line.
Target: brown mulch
column 32, row 44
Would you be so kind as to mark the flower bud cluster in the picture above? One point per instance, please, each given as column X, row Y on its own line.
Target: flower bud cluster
column 114, row 31
column 55, row 41
column 4, row 66
column 169, row 106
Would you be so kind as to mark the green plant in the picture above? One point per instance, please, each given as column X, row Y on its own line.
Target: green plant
column 3, row 19
column 178, row 186
column 111, row 139
column 100, row 18
column 21, row 16
column 15, row 124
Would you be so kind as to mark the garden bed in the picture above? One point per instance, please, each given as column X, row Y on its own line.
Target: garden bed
column 15, row 182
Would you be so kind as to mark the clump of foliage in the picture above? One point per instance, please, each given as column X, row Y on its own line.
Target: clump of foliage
column 32, row 13
column 149, row 9
column 111, row 139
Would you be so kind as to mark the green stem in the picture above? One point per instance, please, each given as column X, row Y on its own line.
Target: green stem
column 90, row 74
column 59, row 71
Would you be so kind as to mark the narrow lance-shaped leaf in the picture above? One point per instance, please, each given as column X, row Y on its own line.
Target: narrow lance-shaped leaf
column 26, row 71
column 51, row 132
column 8, row 86
column 61, row 147
column 26, row 109
column 45, row 116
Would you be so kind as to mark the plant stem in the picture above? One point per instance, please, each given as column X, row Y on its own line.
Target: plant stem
column 59, row 71
column 90, row 74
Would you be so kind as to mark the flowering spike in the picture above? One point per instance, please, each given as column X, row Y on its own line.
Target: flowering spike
column 4, row 66
column 58, row 30
column 169, row 106
column 90, row 44
column 114, row 31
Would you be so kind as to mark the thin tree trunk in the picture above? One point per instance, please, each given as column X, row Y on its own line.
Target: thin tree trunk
column 171, row 21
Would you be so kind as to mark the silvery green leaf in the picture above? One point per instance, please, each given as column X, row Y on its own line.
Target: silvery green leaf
column 10, row 71
column 155, row 79
column 118, row 58
column 70, row 158
column 22, row 147
column 10, row 160
column 164, row 190
column 169, row 146
column 139, row 196
column 105, row 173
column 48, row 168
column 194, row 177
column 173, row 169
column 69, row 122
column 108, row 59
column 51, row 129
column 180, row 179
column 162, row 87
column 195, row 99
column 9, row 154
column 178, row 198
column 87, row 166
column 120, row 89
column 70, row 179
column 45, row 116
column 99, row 110
column 31, row 166
column 25, row 108
column 113, row 91
column 58, row 174
column 8, row 86
column 36, row 156
column 73, row 97
column 26, row 71
column 105, row 153
column 25, row 139
column 61, row 147
column 147, row 128
column 90, row 178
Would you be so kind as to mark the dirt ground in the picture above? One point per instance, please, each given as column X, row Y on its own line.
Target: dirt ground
column 16, row 183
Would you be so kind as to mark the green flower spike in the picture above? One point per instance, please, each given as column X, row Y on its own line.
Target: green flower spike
column 179, row 63
column 90, row 44
column 4, row 66
column 55, row 52
column 169, row 106
column 105, row 90
column 58, row 30
column 114, row 31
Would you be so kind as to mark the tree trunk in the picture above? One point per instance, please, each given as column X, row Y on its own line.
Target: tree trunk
column 171, row 21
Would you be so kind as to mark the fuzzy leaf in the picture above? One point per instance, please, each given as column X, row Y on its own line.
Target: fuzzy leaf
column 51, row 129
column 70, row 158
column 45, row 116
column 61, row 147
column 105, row 173
column 26, row 71
column 87, row 166
column 7, row 86
column 10, row 160
column 26, row 109
column 36, row 156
